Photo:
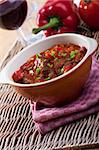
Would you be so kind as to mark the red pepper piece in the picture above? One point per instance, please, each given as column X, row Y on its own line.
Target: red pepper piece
column 17, row 76
column 57, row 16
column 59, row 48
column 67, row 68
column 47, row 55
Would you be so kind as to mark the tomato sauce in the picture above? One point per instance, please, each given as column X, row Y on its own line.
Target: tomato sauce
column 49, row 64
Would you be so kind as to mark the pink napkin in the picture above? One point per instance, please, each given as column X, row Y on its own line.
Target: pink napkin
column 47, row 119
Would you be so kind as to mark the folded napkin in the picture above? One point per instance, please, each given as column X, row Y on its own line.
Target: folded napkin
column 47, row 119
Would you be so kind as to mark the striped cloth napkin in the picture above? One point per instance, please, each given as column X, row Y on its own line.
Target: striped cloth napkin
column 47, row 119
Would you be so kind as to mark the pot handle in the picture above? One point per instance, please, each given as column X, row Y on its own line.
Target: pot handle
column 93, row 45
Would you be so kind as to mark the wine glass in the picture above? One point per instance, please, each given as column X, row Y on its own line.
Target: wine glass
column 14, row 15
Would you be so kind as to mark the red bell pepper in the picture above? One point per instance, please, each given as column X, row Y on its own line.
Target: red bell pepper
column 57, row 16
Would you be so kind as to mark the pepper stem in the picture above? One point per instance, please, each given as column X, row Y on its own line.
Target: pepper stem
column 54, row 22
column 87, row 1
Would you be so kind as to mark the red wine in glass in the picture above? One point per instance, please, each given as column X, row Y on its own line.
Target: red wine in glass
column 12, row 13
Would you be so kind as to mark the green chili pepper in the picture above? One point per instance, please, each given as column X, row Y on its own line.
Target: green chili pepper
column 53, row 54
column 73, row 54
column 64, row 54
column 38, row 78
column 38, row 55
column 38, row 70
column 50, row 65
column 48, row 78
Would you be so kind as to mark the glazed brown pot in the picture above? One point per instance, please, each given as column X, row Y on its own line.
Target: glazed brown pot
column 62, row 89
